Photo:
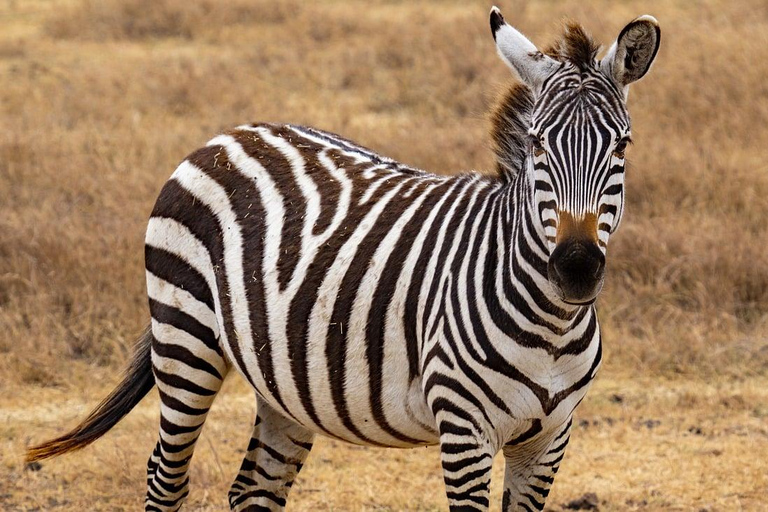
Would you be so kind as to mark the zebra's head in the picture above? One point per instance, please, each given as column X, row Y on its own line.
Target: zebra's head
column 573, row 110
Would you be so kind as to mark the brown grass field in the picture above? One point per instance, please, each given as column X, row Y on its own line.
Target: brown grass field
column 99, row 100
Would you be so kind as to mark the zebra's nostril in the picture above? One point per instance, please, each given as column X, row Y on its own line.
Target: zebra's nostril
column 600, row 265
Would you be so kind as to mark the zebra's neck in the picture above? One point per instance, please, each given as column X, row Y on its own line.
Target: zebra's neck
column 521, row 295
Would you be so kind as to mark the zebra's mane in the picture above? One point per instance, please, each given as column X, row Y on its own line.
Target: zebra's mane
column 509, row 132
column 511, row 118
column 575, row 46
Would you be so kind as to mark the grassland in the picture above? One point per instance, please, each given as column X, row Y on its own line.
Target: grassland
column 99, row 100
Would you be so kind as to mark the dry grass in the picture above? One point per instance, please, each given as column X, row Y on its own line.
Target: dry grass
column 100, row 100
column 639, row 445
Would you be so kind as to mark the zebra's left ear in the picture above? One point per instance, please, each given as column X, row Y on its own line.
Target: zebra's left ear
column 519, row 52
column 631, row 56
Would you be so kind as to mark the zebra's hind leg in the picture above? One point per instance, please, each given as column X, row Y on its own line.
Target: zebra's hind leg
column 189, row 370
column 276, row 452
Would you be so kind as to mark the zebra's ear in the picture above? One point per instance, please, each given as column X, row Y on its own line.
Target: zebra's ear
column 519, row 52
column 631, row 56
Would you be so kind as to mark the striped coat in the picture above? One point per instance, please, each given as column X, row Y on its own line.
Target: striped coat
column 428, row 261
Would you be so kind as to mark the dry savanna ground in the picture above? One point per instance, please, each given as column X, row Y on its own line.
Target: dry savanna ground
column 101, row 99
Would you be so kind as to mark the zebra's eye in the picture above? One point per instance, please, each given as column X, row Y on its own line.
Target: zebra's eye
column 536, row 146
column 621, row 147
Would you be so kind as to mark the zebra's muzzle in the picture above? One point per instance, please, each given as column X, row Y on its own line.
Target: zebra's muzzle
column 576, row 270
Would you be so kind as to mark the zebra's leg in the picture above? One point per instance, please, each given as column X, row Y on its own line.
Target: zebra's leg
column 276, row 452
column 467, row 456
column 188, row 373
column 530, row 471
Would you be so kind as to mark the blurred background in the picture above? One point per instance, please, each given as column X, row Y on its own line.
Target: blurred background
column 100, row 100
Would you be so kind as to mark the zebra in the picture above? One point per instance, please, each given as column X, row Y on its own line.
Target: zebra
column 379, row 304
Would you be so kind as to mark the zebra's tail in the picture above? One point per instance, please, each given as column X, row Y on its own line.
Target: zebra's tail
column 136, row 383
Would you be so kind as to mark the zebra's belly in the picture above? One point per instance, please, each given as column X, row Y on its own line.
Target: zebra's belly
column 350, row 404
column 349, row 398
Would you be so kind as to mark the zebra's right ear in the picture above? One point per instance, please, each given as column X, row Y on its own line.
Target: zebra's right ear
column 520, row 54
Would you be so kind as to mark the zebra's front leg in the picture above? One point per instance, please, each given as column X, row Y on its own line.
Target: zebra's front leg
column 276, row 452
column 530, row 470
column 467, row 457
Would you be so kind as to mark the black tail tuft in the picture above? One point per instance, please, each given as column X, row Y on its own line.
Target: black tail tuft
column 136, row 383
